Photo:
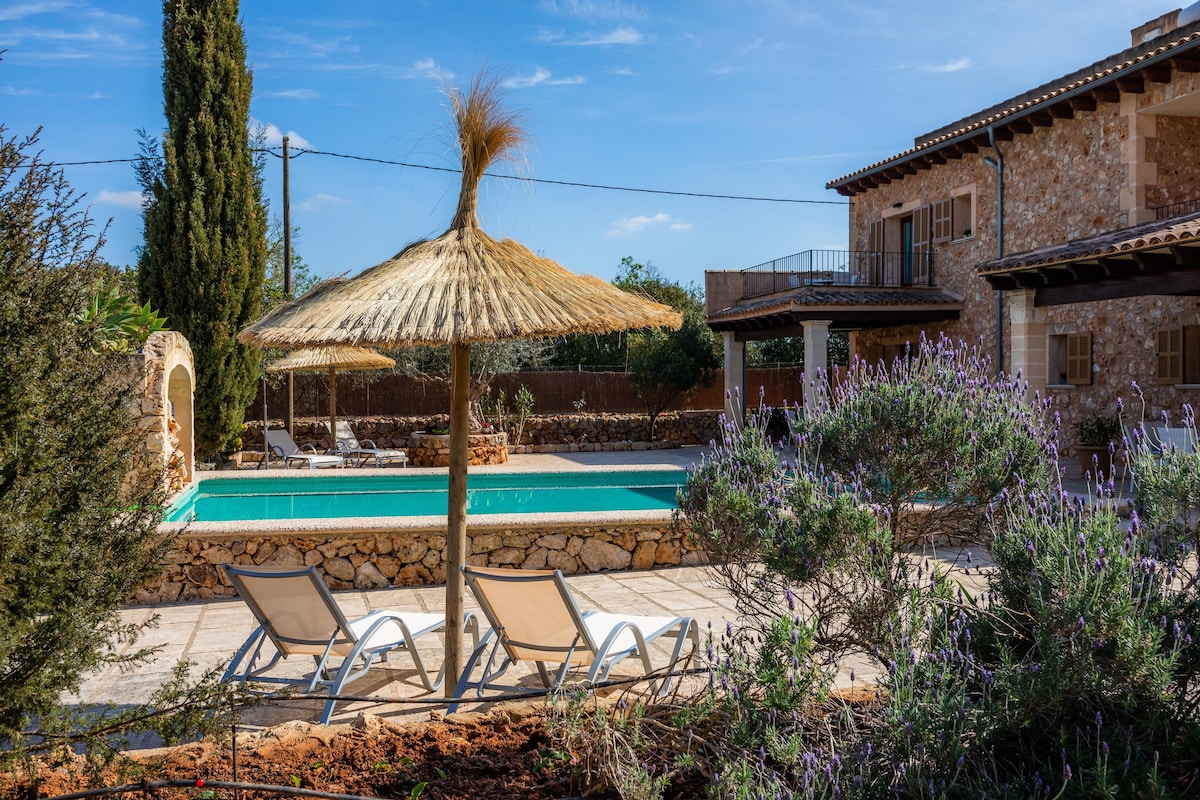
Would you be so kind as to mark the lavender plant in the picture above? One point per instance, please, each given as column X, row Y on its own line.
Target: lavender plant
column 936, row 426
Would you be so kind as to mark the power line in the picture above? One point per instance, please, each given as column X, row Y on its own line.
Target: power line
column 577, row 184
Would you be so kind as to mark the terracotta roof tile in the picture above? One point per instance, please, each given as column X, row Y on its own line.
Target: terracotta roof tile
column 824, row 296
column 1146, row 236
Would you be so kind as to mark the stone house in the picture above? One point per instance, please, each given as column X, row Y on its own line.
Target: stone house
column 1061, row 226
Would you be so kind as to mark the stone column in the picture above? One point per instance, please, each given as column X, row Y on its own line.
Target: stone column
column 816, row 362
column 735, row 377
column 1137, row 155
column 1028, row 336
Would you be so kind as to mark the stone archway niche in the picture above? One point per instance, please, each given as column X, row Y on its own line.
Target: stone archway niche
column 166, row 376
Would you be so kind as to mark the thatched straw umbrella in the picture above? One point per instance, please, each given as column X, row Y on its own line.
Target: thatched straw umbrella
column 460, row 288
column 319, row 359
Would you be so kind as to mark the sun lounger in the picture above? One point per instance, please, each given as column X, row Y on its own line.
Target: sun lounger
column 349, row 446
column 298, row 616
column 534, row 617
column 282, row 446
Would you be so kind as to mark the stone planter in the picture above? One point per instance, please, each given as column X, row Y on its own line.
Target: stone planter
column 433, row 449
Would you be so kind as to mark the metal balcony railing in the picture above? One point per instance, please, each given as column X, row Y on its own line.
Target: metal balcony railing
column 1176, row 209
column 859, row 269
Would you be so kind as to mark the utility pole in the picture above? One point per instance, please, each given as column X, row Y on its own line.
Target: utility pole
column 287, row 280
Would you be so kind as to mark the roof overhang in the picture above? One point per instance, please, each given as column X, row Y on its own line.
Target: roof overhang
column 845, row 309
column 1154, row 258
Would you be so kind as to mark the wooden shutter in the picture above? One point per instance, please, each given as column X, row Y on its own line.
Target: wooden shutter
column 874, row 354
column 1170, row 356
column 943, row 229
column 1079, row 359
column 922, row 249
column 875, row 253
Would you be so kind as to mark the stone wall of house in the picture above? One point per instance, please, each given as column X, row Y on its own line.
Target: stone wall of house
column 550, row 433
column 1102, row 170
column 375, row 560
column 954, row 261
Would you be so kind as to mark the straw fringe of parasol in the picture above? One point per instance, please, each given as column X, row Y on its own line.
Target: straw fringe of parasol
column 319, row 359
column 463, row 286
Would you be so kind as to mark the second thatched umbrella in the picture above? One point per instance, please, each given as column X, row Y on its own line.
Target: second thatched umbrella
column 460, row 288
column 320, row 359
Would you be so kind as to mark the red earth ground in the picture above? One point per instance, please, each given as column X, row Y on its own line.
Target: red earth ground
column 503, row 754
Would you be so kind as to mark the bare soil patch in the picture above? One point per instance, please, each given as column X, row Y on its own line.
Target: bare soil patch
column 503, row 754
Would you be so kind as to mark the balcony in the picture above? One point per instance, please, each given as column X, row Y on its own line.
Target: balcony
column 860, row 269
column 850, row 289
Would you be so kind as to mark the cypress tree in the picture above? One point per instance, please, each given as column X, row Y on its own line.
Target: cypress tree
column 204, row 257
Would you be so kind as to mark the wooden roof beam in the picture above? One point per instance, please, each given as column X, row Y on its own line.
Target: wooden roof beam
column 1132, row 84
column 1185, row 256
column 1003, row 134
column 1154, row 262
column 1061, row 111
column 936, row 157
column 1186, row 63
column 1106, row 93
column 1157, row 73
column 1041, row 119
column 1022, row 125
column 1083, row 102
column 906, row 168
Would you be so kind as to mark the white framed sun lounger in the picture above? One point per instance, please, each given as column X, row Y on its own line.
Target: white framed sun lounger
column 297, row 615
column 282, row 445
column 349, row 446
column 534, row 617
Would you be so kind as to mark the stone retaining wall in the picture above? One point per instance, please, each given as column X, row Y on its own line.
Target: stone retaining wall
column 376, row 559
column 552, row 433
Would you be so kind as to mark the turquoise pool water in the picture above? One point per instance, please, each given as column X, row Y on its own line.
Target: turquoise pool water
column 226, row 499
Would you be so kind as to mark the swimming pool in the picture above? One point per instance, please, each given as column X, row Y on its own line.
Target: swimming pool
column 345, row 496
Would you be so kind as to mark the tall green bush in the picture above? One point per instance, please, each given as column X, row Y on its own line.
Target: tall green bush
column 78, row 524
column 204, row 256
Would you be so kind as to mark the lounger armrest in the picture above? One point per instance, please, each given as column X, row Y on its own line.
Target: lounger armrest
column 367, row 444
column 277, row 451
column 310, row 447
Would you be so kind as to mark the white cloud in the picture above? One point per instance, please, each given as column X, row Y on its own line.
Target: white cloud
column 98, row 96
column 273, row 136
column 593, row 9
column 541, row 77
column 321, row 199
column 615, row 36
column 295, row 94
column 951, row 66
column 23, row 10
column 13, row 91
column 627, row 226
column 621, row 71
column 315, row 48
column 130, row 199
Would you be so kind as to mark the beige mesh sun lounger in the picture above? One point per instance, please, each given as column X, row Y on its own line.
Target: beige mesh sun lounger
column 298, row 616
column 349, row 446
column 534, row 617
column 282, row 445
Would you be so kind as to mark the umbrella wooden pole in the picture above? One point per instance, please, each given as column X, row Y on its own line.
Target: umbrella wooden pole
column 456, row 516
column 333, row 405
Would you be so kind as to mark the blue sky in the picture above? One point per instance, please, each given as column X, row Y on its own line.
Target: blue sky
column 767, row 99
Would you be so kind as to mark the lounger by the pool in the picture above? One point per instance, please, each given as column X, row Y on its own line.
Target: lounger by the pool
column 282, row 445
column 349, row 446
column 298, row 616
column 534, row 617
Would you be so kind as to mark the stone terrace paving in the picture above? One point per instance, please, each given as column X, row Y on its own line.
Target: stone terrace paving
column 207, row 633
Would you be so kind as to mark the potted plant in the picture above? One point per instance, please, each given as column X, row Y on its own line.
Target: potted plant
column 1093, row 435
